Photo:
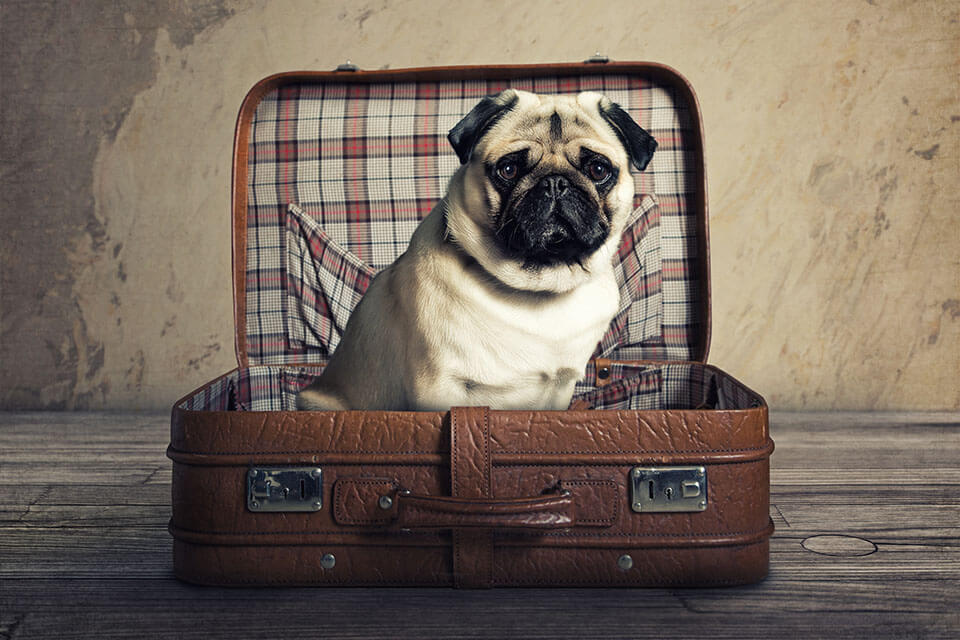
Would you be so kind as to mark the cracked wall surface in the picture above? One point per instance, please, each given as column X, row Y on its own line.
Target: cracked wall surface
column 832, row 159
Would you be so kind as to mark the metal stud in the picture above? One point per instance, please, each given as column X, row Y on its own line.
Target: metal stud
column 328, row 561
column 385, row 502
column 625, row 562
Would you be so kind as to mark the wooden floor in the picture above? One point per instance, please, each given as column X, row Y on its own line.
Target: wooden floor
column 867, row 508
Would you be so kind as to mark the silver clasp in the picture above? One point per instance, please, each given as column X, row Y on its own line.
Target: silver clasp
column 284, row 489
column 666, row 489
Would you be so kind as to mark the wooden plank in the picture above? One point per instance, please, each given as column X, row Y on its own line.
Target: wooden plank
column 524, row 616
column 17, row 496
column 898, row 522
column 907, row 595
column 84, row 550
column 898, row 447
column 779, row 593
column 64, row 422
column 113, row 471
column 88, row 516
column 852, row 422
column 417, row 613
column 517, row 619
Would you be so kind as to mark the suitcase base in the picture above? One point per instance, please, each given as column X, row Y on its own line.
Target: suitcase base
column 432, row 566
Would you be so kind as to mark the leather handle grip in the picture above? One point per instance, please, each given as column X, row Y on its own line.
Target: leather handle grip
column 435, row 512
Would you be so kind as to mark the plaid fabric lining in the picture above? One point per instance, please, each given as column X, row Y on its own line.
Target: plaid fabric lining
column 363, row 164
column 324, row 284
column 637, row 327
column 631, row 387
column 735, row 396
column 636, row 387
column 219, row 395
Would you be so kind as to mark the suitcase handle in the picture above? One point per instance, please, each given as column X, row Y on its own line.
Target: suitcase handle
column 436, row 512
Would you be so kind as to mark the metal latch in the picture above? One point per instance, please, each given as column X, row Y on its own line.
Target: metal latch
column 663, row 489
column 347, row 66
column 597, row 58
column 284, row 489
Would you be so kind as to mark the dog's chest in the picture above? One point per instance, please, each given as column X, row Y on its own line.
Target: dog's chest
column 517, row 351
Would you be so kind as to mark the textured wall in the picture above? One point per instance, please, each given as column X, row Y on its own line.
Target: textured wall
column 832, row 158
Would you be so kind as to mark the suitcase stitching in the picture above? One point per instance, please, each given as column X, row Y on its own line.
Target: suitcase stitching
column 616, row 501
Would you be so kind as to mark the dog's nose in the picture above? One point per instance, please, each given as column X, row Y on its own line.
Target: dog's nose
column 554, row 186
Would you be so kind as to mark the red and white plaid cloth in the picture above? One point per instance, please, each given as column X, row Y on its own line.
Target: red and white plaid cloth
column 341, row 174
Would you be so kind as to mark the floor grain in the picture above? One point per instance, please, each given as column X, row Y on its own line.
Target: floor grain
column 867, row 508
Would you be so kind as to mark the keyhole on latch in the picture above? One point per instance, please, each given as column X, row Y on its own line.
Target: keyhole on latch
column 669, row 493
column 650, row 487
column 303, row 489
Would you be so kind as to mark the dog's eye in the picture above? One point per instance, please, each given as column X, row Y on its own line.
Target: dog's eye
column 508, row 169
column 598, row 170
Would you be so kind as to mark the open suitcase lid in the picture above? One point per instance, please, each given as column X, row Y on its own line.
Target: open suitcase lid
column 333, row 171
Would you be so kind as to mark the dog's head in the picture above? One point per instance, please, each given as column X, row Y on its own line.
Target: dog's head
column 545, row 187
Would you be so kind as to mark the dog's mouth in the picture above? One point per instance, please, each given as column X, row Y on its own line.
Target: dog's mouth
column 555, row 222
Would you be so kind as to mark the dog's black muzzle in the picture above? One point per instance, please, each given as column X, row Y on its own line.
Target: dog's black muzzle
column 553, row 222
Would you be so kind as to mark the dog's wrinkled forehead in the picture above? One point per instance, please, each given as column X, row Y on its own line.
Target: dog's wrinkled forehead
column 504, row 123
column 553, row 121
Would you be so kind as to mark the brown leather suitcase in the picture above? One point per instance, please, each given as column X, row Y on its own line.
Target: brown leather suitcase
column 658, row 474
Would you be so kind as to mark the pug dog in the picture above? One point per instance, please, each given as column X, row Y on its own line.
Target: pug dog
column 507, row 285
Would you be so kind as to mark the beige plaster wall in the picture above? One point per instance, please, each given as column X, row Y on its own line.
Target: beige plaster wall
column 832, row 157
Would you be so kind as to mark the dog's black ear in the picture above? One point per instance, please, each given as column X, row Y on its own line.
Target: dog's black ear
column 465, row 135
column 639, row 144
